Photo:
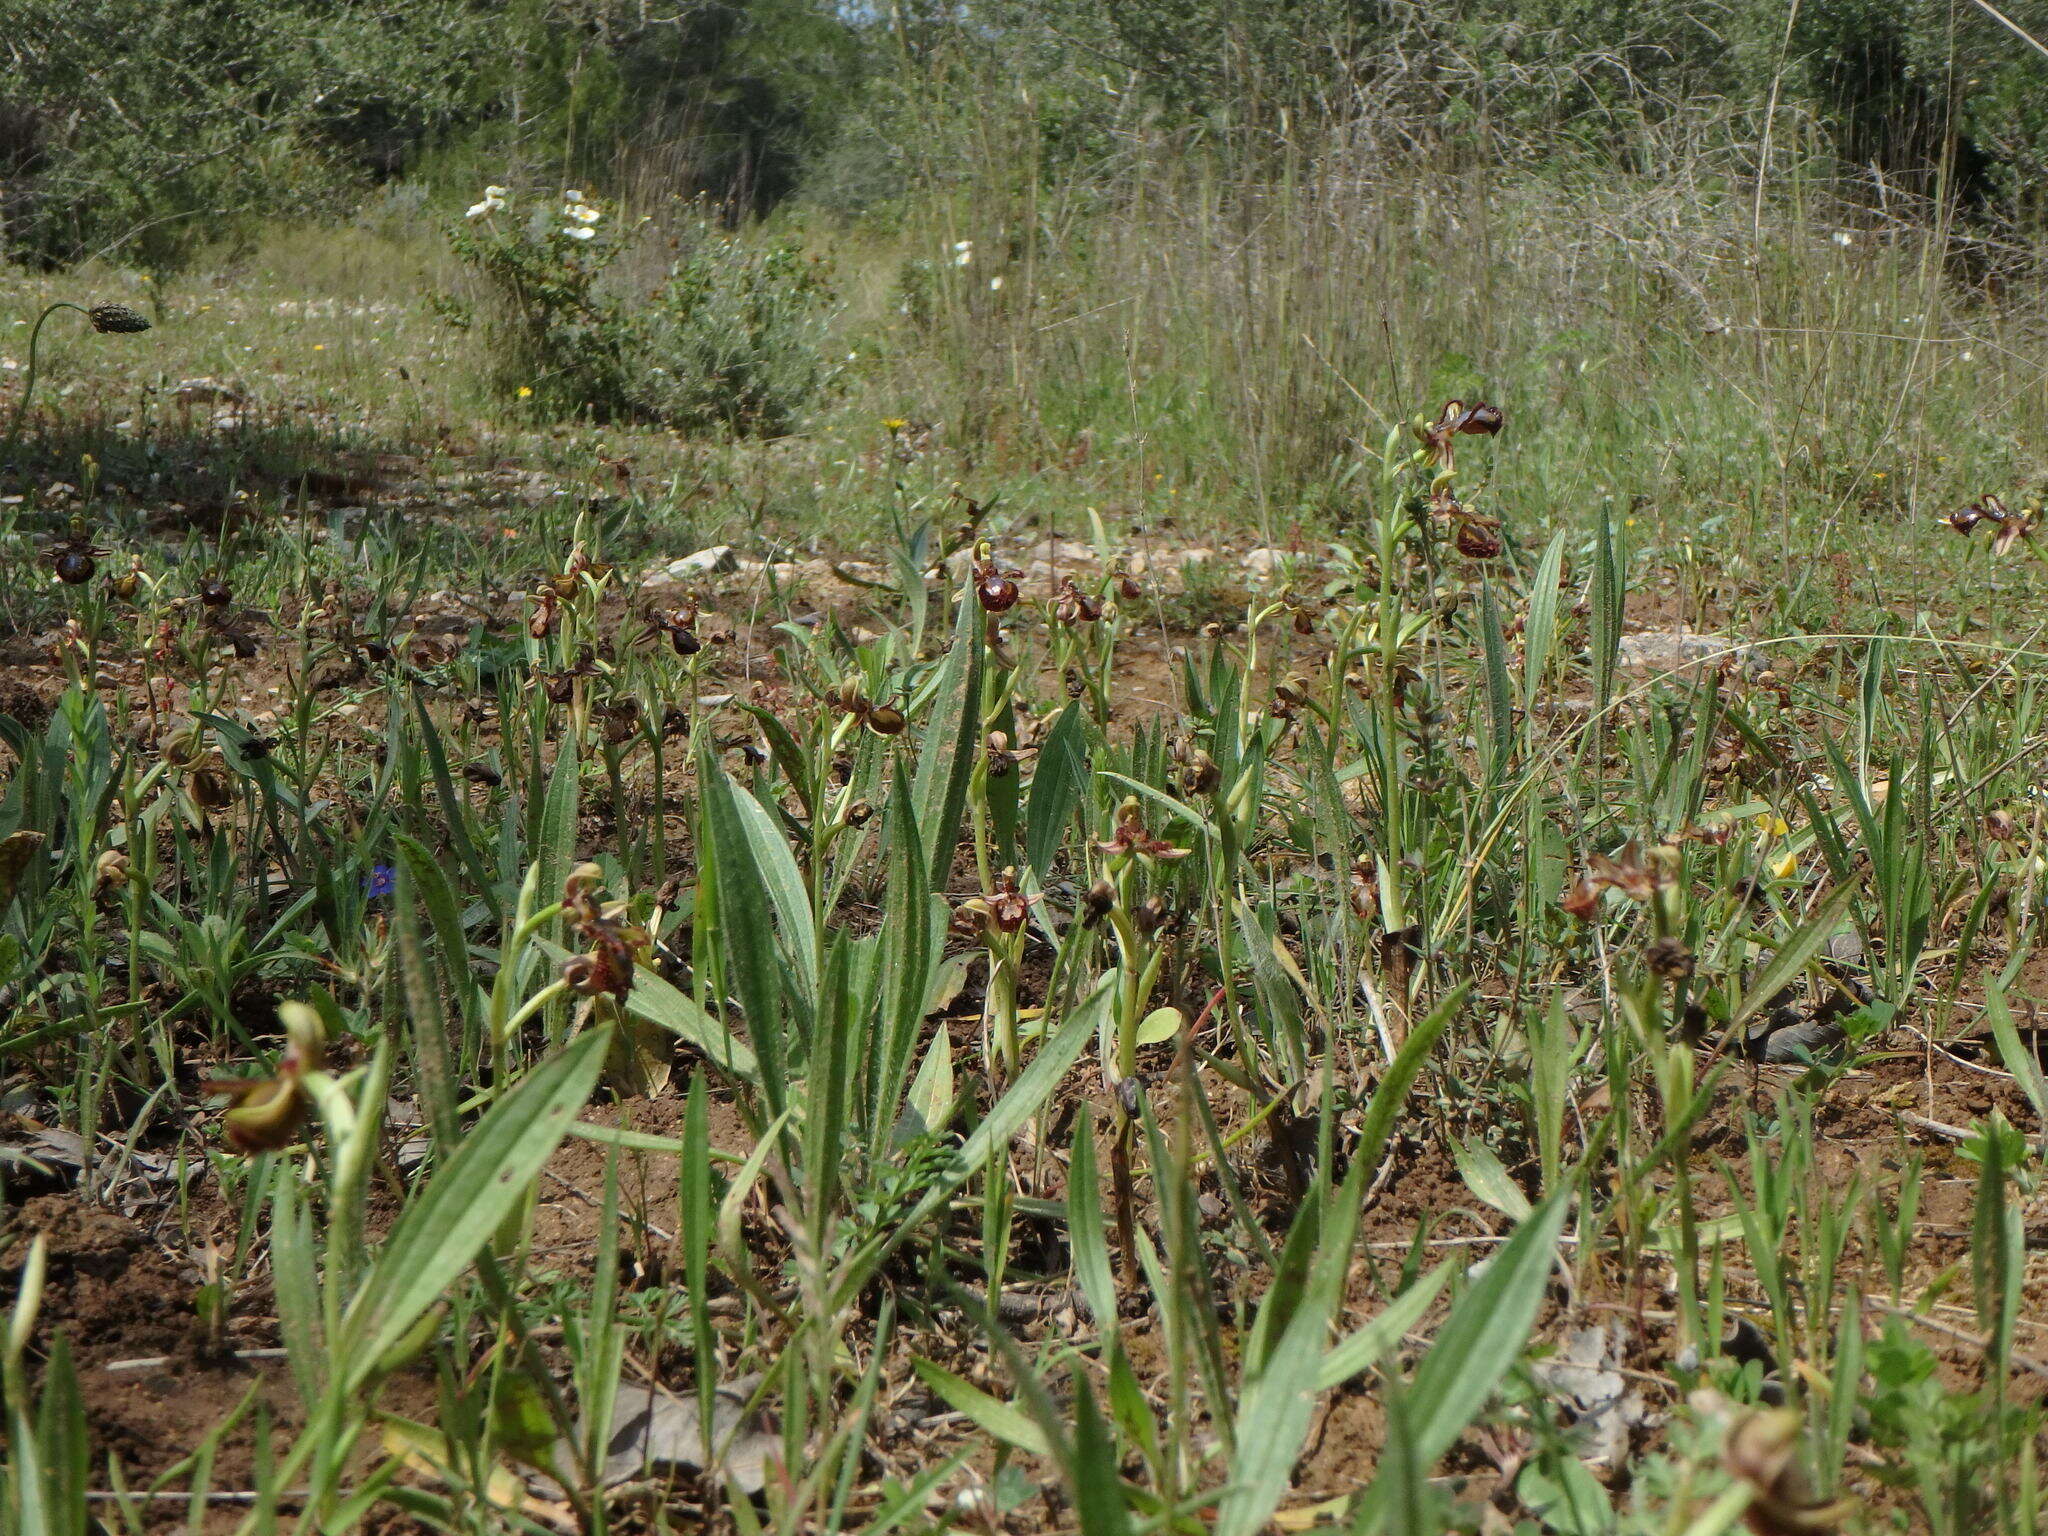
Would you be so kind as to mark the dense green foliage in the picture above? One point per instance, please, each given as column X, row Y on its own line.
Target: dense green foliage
column 151, row 129
column 731, row 338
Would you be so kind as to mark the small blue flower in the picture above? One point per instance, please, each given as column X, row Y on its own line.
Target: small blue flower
column 380, row 881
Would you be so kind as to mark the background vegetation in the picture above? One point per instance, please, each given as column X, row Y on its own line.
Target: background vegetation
column 779, row 768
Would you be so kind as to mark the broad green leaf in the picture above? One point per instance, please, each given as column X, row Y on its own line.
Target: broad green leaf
column 751, row 968
column 1055, row 788
column 777, row 868
column 950, row 739
column 1086, row 1228
column 1485, row 1333
column 1488, row 1178
column 1391, row 1093
column 1098, row 1489
column 1794, row 954
column 1362, row 1350
column 1540, row 632
column 1003, row 1420
column 1500, row 696
column 2019, row 1059
column 1484, row 1336
column 294, row 1283
column 931, row 1094
column 555, row 848
column 661, row 1003
column 441, row 1232
column 1159, row 1025
column 1033, row 1087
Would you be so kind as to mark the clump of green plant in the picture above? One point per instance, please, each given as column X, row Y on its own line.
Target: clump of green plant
column 733, row 339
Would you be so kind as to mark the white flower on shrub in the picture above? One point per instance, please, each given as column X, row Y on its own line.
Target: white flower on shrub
column 963, row 252
column 579, row 232
column 494, row 200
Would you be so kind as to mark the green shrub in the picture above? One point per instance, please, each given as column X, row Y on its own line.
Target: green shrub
column 733, row 338
column 737, row 335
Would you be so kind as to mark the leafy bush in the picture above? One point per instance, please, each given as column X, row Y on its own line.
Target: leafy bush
column 736, row 337
column 732, row 339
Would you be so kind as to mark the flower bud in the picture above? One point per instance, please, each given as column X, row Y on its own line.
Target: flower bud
column 110, row 869
column 210, row 790
column 1669, row 958
column 1096, row 903
column 116, row 320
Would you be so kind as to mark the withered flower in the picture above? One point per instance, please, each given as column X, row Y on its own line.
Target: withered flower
column 1365, row 888
column 614, row 946
column 621, row 720
column 126, row 585
column 1155, row 915
column 1476, row 535
column 997, row 645
column 210, row 790
column 681, row 628
column 110, row 870
column 1669, row 958
column 579, row 565
column 541, row 623
column 1002, row 762
column 2016, row 526
column 1477, row 539
column 266, row 1112
column 1096, row 902
column 970, row 920
column 1630, row 874
column 1760, row 1449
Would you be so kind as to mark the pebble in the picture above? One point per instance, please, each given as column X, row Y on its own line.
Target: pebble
column 718, row 560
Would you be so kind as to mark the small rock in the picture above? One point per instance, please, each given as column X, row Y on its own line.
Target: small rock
column 659, row 1434
column 1067, row 552
column 718, row 560
column 1266, row 562
column 1675, row 651
column 206, row 391
column 1597, row 1398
